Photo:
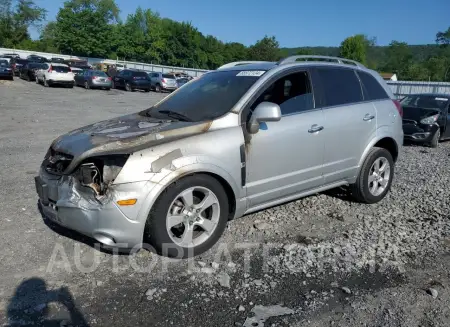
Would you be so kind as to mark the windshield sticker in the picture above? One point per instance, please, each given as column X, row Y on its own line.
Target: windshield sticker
column 256, row 73
column 441, row 99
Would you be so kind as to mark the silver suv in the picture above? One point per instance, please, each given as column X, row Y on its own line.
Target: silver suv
column 236, row 140
column 163, row 82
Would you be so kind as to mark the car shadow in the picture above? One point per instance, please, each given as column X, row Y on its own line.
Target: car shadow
column 78, row 237
column 34, row 305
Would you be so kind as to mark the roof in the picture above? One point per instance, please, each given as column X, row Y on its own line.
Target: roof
column 440, row 95
column 259, row 66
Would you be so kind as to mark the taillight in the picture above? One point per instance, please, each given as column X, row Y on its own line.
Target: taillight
column 94, row 77
column 109, row 79
column 399, row 107
column 50, row 69
column 163, row 80
column 70, row 69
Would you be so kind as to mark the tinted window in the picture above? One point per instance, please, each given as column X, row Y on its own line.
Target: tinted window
column 292, row 93
column 206, row 98
column 4, row 63
column 139, row 74
column 34, row 65
column 425, row 101
column 168, row 76
column 340, row 86
column 61, row 69
column 21, row 61
column 371, row 88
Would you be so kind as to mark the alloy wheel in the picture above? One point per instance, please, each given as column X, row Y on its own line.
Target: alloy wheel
column 379, row 175
column 193, row 216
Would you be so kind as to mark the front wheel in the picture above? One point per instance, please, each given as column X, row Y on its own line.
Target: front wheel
column 189, row 217
column 37, row 80
column 375, row 177
column 128, row 87
column 435, row 140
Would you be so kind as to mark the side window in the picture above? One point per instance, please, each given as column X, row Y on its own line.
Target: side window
column 340, row 86
column 292, row 93
column 371, row 87
column 121, row 74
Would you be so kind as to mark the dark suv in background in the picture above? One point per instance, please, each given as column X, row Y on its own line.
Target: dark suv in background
column 130, row 80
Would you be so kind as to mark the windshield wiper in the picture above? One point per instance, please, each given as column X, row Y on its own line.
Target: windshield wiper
column 174, row 114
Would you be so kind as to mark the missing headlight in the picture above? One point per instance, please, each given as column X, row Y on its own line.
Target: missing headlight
column 98, row 173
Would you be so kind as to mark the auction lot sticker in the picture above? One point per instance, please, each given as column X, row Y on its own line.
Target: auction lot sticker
column 256, row 73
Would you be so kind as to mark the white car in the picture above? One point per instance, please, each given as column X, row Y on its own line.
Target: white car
column 55, row 74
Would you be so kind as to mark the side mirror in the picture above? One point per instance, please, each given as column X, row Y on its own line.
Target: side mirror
column 264, row 112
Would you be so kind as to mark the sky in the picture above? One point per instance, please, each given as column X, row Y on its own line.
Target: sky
column 297, row 23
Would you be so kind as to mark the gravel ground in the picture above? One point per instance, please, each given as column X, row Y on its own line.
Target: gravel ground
column 319, row 261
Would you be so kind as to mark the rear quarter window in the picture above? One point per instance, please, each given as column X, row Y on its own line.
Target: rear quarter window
column 372, row 90
column 340, row 86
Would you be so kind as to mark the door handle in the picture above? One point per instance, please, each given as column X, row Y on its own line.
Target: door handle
column 315, row 128
column 368, row 117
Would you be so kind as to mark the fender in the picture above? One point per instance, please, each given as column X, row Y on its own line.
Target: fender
column 160, row 183
column 381, row 133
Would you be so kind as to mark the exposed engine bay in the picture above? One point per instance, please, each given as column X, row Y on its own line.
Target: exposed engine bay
column 96, row 173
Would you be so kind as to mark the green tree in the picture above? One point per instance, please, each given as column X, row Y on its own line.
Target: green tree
column 355, row 48
column 443, row 38
column 84, row 27
column 15, row 22
column 399, row 59
column 266, row 49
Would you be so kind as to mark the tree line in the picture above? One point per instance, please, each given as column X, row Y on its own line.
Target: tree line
column 93, row 28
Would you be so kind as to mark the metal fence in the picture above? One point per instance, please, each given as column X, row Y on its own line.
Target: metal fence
column 129, row 64
column 402, row 88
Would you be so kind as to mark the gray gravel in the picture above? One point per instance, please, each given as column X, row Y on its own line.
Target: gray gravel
column 319, row 261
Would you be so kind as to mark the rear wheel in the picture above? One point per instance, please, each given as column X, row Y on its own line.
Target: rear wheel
column 86, row 85
column 189, row 217
column 128, row 87
column 158, row 88
column 375, row 176
column 46, row 84
column 28, row 78
column 37, row 80
column 435, row 140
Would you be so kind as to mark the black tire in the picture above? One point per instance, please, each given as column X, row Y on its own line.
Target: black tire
column 156, row 232
column 435, row 140
column 360, row 190
column 158, row 88
column 46, row 84
column 28, row 78
column 11, row 78
column 86, row 85
column 37, row 80
column 107, row 89
column 128, row 87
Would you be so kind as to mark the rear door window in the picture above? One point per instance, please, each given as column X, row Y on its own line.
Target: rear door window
column 61, row 69
column 371, row 88
column 340, row 86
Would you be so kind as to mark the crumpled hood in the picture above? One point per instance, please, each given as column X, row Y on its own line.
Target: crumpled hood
column 125, row 134
column 417, row 114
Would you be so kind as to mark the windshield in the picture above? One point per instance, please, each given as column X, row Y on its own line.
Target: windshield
column 4, row 63
column 140, row 74
column 61, row 69
column 35, row 65
column 425, row 101
column 208, row 97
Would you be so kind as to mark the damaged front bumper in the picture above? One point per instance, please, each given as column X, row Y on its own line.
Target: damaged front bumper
column 65, row 201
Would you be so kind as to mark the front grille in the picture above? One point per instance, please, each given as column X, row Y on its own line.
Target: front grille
column 56, row 162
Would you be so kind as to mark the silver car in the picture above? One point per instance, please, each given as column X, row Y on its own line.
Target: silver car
column 163, row 82
column 93, row 79
column 234, row 141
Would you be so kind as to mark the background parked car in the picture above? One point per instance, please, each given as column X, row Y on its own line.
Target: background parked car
column 131, row 80
column 161, row 81
column 55, row 74
column 37, row 58
column 76, row 71
column 17, row 64
column 6, row 69
column 57, row 60
column 28, row 71
column 93, row 79
column 182, row 81
column 426, row 118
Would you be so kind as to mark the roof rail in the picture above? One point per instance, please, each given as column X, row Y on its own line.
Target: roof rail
column 292, row 59
column 239, row 63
